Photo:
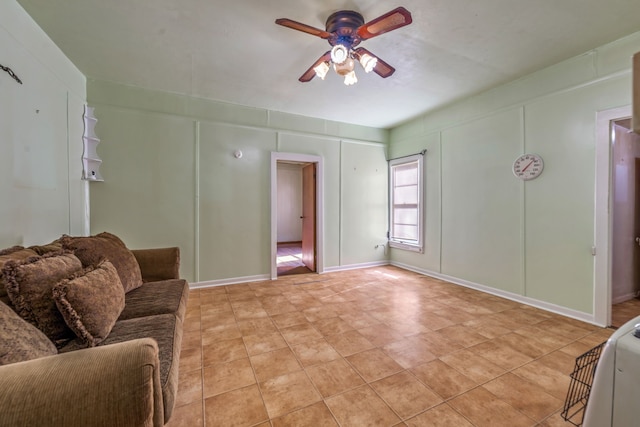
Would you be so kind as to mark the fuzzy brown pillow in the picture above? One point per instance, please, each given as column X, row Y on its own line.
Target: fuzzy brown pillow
column 106, row 246
column 29, row 284
column 91, row 302
column 16, row 253
column 19, row 340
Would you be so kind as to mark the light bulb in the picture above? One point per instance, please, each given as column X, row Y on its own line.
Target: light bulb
column 345, row 67
column 368, row 62
column 339, row 54
column 322, row 70
column 350, row 78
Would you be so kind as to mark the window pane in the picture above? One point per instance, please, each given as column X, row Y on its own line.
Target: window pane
column 405, row 232
column 405, row 216
column 405, row 195
column 406, row 174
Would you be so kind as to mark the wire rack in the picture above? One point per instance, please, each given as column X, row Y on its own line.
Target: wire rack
column 580, row 386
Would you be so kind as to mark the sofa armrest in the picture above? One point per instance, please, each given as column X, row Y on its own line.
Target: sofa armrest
column 158, row 264
column 112, row 385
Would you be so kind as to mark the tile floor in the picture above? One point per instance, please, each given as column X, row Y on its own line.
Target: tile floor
column 625, row 311
column 379, row 347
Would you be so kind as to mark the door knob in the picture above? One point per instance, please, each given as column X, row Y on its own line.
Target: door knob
column 638, row 240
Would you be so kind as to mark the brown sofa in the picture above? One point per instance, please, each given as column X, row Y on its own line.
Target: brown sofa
column 114, row 359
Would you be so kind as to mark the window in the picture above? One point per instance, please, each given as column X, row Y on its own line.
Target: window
column 406, row 203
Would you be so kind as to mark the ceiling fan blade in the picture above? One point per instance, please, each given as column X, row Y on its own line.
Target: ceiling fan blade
column 382, row 69
column 303, row 27
column 392, row 20
column 311, row 73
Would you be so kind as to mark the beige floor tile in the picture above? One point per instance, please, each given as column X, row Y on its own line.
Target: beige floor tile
column 224, row 377
column 312, row 416
column 190, row 359
column 315, row 352
column 222, row 332
column 461, row 335
column 189, row 387
column 526, row 345
column 331, row 326
column 484, row 409
column 288, row 393
column 258, row 344
column 315, row 314
column 440, row 416
column 361, row 407
column 560, row 361
column 191, row 339
column 236, row 408
column 334, row 377
column 501, row 354
column 187, row 416
column 409, row 352
column 223, row 351
column 349, row 343
column 405, row 394
column 438, row 344
column 286, row 320
column 274, row 364
column 359, row 320
column 525, row 396
column 300, row 333
column 374, row 364
column 257, row 326
column 443, row 379
column 555, row 420
column 553, row 382
column 473, row 365
column 380, row 335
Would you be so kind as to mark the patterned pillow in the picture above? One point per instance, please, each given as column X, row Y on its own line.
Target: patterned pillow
column 92, row 250
column 19, row 340
column 91, row 302
column 29, row 284
column 16, row 253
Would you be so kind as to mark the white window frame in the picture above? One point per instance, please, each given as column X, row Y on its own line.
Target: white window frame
column 409, row 245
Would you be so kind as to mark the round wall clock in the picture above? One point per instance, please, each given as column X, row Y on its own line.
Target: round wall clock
column 528, row 166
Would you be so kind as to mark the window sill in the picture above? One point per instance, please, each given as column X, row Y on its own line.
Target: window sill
column 405, row 246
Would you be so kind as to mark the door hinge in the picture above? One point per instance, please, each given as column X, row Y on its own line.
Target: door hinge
column 593, row 250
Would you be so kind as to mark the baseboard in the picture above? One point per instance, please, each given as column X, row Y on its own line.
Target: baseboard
column 231, row 281
column 557, row 309
column 355, row 266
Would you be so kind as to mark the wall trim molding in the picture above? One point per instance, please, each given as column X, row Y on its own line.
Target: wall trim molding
column 356, row 266
column 564, row 311
column 230, row 281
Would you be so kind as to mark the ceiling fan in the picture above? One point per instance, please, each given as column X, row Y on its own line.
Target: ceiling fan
column 345, row 30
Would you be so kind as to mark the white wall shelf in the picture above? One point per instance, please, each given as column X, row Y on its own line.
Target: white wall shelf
column 90, row 160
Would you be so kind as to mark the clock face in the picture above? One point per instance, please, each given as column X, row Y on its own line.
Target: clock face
column 528, row 166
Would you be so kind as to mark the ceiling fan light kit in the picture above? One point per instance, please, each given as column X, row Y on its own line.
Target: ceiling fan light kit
column 345, row 30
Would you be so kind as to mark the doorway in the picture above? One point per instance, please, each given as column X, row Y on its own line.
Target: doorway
column 617, row 262
column 296, row 214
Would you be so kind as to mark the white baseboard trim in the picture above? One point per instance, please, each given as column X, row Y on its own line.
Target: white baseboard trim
column 623, row 298
column 557, row 309
column 231, row 281
column 355, row 266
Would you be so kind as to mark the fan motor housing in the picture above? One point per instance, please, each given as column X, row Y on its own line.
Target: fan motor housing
column 344, row 26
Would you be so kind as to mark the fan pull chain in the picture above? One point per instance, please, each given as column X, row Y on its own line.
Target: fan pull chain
column 11, row 73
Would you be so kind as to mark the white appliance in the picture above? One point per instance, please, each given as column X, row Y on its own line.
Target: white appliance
column 615, row 392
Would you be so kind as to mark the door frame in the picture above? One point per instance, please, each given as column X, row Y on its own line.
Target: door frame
column 299, row 158
column 603, row 223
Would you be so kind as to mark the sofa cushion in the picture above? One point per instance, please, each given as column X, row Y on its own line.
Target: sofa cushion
column 29, row 284
column 166, row 330
column 91, row 302
column 16, row 253
column 164, row 297
column 49, row 247
column 19, row 340
column 92, row 250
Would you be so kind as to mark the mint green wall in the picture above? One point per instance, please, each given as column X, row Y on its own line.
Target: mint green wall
column 486, row 227
column 41, row 129
column 171, row 179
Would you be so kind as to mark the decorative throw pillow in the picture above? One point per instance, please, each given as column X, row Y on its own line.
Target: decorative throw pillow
column 91, row 302
column 29, row 284
column 92, row 250
column 16, row 253
column 19, row 340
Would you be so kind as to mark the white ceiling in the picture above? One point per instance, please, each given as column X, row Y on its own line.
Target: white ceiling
column 234, row 52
